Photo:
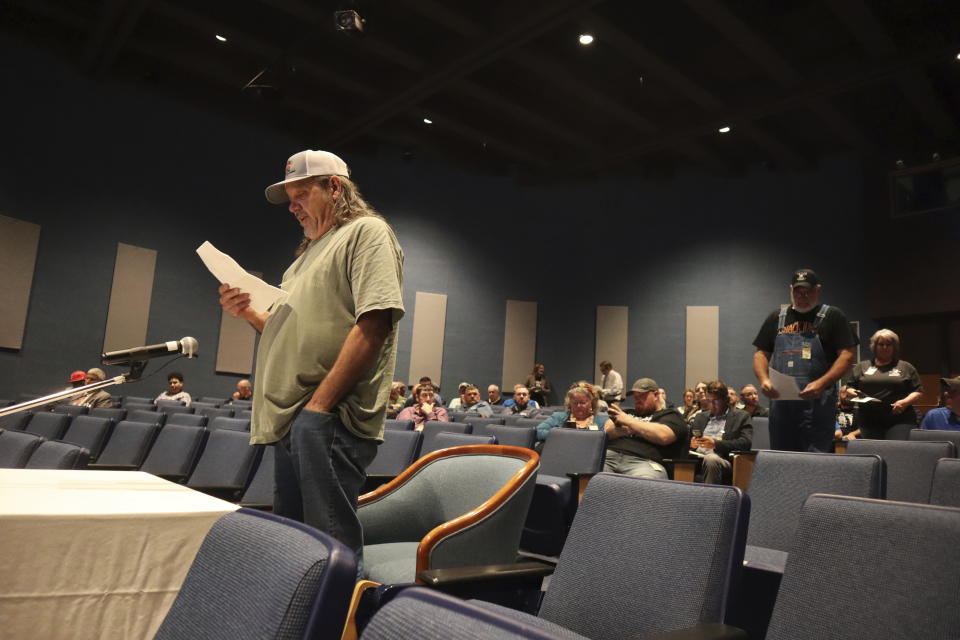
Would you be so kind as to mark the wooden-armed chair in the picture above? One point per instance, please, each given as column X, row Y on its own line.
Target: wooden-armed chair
column 457, row 506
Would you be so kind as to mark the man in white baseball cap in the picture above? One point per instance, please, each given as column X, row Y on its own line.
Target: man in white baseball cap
column 328, row 350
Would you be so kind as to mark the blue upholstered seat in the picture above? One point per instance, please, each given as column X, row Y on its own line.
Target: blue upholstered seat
column 427, row 615
column 261, row 577
column 48, row 425
column 89, row 432
column 446, row 439
column 946, row 483
column 902, row 566
column 565, row 451
column 645, row 557
column 175, row 452
column 128, row 445
column 227, row 464
column 187, row 419
column 16, row 447
column 58, row 455
column 146, row 417
column 910, row 465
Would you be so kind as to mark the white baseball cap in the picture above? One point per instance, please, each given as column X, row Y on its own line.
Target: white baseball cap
column 303, row 165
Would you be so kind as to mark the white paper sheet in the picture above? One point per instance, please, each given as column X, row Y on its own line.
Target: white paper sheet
column 226, row 270
column 864, row 400
column 786, row 385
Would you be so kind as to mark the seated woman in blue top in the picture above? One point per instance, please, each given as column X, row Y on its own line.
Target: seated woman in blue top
column 581, row 405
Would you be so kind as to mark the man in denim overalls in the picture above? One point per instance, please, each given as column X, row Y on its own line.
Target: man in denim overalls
column 814, row 344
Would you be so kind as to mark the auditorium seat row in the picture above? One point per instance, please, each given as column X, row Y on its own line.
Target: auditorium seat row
column 905, row 559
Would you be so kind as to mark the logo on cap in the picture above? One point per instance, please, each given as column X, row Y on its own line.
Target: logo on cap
column 289, row 168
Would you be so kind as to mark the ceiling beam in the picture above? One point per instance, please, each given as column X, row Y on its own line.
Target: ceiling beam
column 261, row 49
column 116, row 23
column 776, row 67
column 751, row 112
column 474, row 56
column 912, row 81
column 583, row 92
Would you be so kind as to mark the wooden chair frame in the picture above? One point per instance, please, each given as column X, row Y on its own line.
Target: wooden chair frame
column 488, row 507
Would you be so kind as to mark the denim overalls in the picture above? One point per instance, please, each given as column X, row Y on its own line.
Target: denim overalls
column 802, row 425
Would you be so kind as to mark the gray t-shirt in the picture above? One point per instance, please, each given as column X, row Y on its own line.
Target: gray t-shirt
column 345, row 273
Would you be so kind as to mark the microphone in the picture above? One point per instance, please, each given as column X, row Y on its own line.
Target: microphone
column 187, row 346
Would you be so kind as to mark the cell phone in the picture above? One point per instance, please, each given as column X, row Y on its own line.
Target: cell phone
column 570, row 424
column 697, row 433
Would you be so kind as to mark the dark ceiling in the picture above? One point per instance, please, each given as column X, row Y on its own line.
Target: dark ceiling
column 509, row 89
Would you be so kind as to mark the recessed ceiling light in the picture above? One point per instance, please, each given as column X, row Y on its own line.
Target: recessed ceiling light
column 724, row 129
column 958, row 56
column 427, row 121
column 585, row 39
column 220, row 38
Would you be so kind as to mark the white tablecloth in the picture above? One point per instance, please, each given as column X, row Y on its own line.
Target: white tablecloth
column 95, row 554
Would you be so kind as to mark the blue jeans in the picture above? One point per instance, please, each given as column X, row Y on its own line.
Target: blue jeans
column 803, row 425
column 320, row 469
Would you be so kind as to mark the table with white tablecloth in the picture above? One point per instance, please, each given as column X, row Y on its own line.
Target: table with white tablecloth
column 95, row 554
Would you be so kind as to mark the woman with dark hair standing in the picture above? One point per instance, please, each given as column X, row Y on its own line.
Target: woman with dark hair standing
column 888, row 385
column 538, row 385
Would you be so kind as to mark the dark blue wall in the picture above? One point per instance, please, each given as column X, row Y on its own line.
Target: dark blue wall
column 98, row 163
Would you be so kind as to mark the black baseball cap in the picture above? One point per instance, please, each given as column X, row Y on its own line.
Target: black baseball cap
column 804, row 278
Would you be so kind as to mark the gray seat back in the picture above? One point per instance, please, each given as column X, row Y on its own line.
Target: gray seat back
column 48, row 425
column 260, row 491
column 597, row 589
column 16, row 447
column 261, row 577
column 946, row 483
column 426, row 614
column 146, row 417
column 58, row 455
column 175, row 451
column 233, row 424
column 902, row 563
column 932, row 435
column 573, row 451
column 89, row 432
column 215, row 412
column 114, row 414
column 432, row 427
column 513, row 436
column 447, row 439
column 398, row 425
column 761, row 433
column 782, row 481
column 397, row 451
column 910, row 465
column 187, row 419
column 227, row 462
column 129, row 444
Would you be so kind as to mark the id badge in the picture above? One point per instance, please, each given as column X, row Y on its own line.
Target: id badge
column 806, row 352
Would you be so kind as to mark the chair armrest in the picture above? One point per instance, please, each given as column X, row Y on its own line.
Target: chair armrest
column 684, row 469
column 511, row 572
column 581, row 480
column 709, row 631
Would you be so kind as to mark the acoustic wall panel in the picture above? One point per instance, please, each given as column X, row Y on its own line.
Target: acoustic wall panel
column 519, row 342
column 130, row 295
column 611, row 341
column 19, row 241
column 236, row 345
column 703, row 344
column 426, row 347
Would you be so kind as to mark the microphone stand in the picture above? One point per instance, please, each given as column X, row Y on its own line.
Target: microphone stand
column 136, row 370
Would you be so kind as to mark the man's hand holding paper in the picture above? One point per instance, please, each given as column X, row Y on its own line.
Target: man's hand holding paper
column 227, row 271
